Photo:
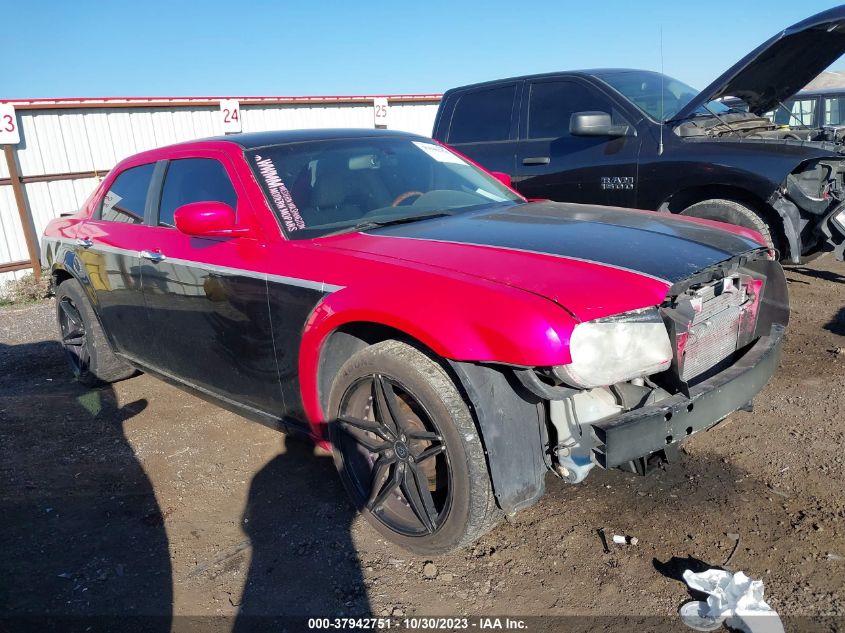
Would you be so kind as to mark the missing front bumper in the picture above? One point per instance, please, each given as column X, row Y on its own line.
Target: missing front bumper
column 640, row 432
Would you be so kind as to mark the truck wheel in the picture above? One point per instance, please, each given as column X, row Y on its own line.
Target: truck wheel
column 732, row 213
column 86, row 348
column 408, row 452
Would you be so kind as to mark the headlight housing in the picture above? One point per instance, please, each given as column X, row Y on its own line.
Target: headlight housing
column 839, row 220
column 616, row 349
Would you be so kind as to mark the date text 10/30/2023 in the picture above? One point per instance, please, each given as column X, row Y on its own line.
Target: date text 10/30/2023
column 419, row 624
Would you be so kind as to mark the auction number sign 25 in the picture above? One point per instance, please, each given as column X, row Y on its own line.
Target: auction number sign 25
column 9, row 132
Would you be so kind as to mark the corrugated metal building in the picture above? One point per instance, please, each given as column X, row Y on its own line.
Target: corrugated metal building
column 67, row 145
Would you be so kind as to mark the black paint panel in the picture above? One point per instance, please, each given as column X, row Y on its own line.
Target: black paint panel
column 114, row 279
column 213, row 331
column 290, row 308
column 653, row 244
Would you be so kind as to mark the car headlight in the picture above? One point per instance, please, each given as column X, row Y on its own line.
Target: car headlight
column 839, row 220
column 616, row 349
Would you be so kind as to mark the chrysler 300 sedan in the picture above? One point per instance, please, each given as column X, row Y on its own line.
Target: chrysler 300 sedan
column 448, row 340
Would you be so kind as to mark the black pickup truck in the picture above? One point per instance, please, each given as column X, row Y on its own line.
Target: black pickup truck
column 634, row 138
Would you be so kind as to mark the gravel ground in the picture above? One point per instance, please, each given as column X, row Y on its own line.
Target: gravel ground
column 139, row 498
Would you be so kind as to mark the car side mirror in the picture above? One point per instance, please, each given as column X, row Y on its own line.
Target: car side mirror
column 208, row 219
column 503, row 178
column 596, row 124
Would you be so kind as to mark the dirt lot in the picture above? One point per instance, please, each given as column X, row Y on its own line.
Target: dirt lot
column 142, row 499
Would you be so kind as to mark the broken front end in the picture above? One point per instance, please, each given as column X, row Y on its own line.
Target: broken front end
column 812, row 204
column 639, row 383
column 642, row 382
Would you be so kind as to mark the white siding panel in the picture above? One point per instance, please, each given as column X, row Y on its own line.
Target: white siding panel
column 100, row 140
column 4, row 170
column 122, row 139
column 76, row 141
column 206, row 123
column 83, row 188
column 13, row 241
column 7, row 277
column 417, row 118
column 183, row 123
column 40, row 204
column 143, row 131
column 165, row 130
column 29, row 151
column 62, row 200
column 52, row 143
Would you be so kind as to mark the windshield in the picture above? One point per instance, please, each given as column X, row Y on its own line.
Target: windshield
column 320, row 187
column 643, row 89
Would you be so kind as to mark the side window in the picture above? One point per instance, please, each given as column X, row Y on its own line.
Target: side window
column 552, row 103
column 783, row 116
column 194, row 180
column 484, row 115
column 803, row 111
column 127, row 196
column 834, row 111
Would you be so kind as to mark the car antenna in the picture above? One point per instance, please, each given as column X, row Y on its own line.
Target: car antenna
column 662, row 111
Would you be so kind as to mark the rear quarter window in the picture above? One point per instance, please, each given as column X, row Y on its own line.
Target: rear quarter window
column 127, row 196
column 483, row 115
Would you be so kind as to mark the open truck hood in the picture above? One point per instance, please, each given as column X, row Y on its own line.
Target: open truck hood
column 781, row 66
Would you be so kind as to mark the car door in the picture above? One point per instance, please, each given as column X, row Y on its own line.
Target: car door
column 208, row 312
column 108, row 247
column 483, row 125
column 552, row 163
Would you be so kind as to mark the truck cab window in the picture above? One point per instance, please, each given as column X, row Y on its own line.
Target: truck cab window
column 484, row 115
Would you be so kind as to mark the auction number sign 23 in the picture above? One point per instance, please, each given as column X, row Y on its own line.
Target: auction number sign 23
column 10, row 134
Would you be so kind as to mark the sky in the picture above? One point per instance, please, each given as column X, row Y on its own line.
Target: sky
column 55, row 48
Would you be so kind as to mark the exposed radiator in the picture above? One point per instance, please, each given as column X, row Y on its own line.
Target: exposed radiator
column 714, row 331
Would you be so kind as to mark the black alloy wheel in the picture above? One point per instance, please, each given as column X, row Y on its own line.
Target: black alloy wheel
column 395, row 455
column 82, row 338
column 407, row 449
column 74, row 336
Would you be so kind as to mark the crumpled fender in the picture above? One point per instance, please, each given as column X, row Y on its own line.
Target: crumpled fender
column 790, row 215
column 458, row 318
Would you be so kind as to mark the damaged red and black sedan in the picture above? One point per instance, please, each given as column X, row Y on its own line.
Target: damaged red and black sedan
column 448, row 340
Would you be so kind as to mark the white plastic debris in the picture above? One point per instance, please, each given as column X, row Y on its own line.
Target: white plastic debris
column 625, row 540
column 734, row 599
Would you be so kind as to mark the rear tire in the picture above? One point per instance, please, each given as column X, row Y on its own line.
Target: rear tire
column 87, row 351
column 417, row 472
column 733, row 213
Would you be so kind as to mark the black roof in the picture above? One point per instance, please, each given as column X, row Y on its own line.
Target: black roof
column 252, row 140
column 584, row 72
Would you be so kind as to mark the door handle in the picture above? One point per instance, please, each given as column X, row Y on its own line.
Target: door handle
column 153, row 256
column 84, row 242
column 536, row 160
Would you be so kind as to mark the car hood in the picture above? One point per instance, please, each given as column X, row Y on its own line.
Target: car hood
column 594, row 261
column 781, row 66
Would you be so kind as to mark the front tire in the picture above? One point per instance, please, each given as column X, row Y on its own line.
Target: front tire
column 733, row 213
column 86, row 348
column 408, row 452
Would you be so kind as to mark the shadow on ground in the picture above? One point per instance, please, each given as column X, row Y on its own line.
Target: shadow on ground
column 83, row 538
column 827, row 275
column 837, row 323
column 304, row 562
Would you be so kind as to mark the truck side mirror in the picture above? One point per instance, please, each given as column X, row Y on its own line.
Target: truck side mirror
column 596, row 124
